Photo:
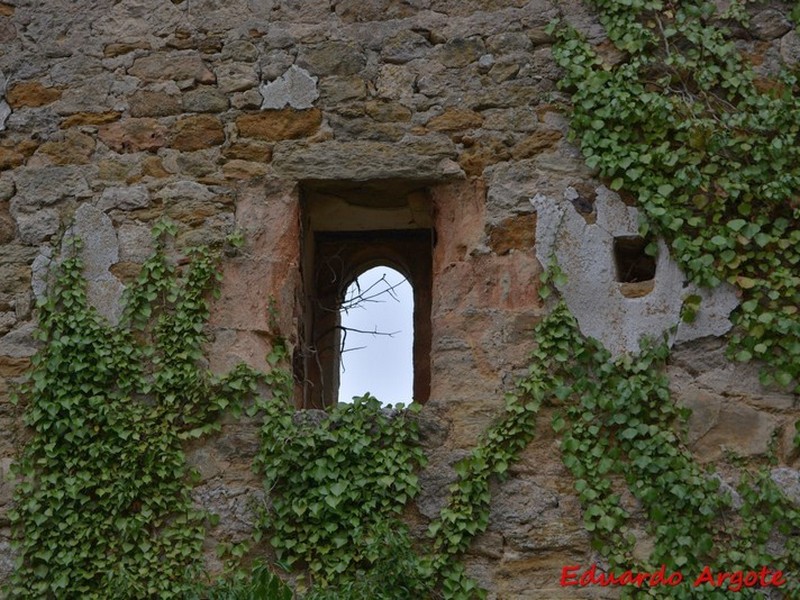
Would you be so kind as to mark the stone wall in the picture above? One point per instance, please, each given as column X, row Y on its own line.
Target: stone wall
column 217, row 113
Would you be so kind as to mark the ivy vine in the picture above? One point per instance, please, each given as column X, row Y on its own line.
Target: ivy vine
column 618, row 426
column 102, row 506
column 337, row 484
column 710, row 153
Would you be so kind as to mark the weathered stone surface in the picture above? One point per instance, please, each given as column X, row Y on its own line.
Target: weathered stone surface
column 790, row 48
column 360, row 161
column 163, row 65
column 120, row 48
column 769, row 24
column 154, row 167
column 5, row 112
column 405, row 46
column 184, row 191
column 718, row 425
column 146, row 103
column 358, row 11
column 7, row 187
column 514, row 233
column 536, row 142
column 48, row 185
column 243, row 169
column 387, row 111
column 252, row 151
column 75, row 148
column 7, row 229
column 512, row 41
column 197, row 132
column 396, row 82
column 7, row 321
column 160, row 114
column 13, row 366
column 460, row 52
column 240, row 50
column 31, row 94
column 91, row 119
column 503, row 71
column 275, row 125
column 198, row 165
column 124, row 198
column 454, row 119
column 332, row 58
column 19, row 342
column 248, row 100
column 482, row 152
column 134, row 135
column 5, row 109
column 38, row 226
column 236, row 77
column 788, row 480
column 135, row 242
column 334, row 89
column 10, row 158
column 205, row 99
column 296, row 88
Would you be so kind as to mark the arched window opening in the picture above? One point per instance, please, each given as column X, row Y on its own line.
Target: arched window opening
column 377, row 337
column 348, row 230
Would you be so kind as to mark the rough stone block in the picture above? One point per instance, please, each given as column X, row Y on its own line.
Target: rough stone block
column 164, row 65
column 236, row 77
column 404, row 47
column 332, row 58
column 75, row 148
column 205, row 99
column 275, row 125
column 124, row 198
column 134, row 135
column 460, row 52
column 361, row 161
column 49, row 185
column 454, row 119
column 31, row 94
column 146, row 103
column 197, row 132
column 90, row 118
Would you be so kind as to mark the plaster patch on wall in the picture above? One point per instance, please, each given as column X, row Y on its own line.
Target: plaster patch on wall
column 99, row 252
column 584, row 252
column 296, row 88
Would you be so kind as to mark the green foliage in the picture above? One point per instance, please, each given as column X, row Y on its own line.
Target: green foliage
column 335, row 481
column 102, row 505
column 618, row 428
column 710, row 153
column 393, row 571
column 260, row 584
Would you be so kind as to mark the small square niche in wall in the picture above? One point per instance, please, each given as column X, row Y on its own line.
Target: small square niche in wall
column 633, row 264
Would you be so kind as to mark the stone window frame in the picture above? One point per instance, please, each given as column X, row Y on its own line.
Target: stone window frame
column 346, row 231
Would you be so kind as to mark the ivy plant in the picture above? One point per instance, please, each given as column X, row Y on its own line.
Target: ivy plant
column 338, row 483
column 102, row 505
column 708, row 150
